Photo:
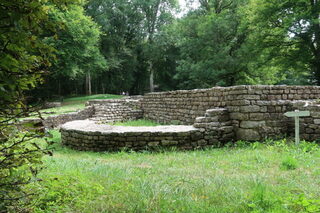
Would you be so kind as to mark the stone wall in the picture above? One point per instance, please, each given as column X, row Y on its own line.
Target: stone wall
column 256, row 112
column 216, row 126
column 218, row 115
column 114, row 110
column 57, row 120
column 310, row 125
column 87, row 135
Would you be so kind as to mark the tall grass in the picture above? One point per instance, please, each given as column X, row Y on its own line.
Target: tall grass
column 244, row 178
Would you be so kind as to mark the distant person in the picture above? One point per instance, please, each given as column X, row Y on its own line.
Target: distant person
column 123, row 93
column 127, row 93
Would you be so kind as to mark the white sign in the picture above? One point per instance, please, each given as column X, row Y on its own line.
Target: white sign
column 296, row 114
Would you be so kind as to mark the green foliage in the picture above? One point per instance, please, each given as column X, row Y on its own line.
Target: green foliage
column 24, row 57
column 129, row 43
column 304, row 204
column 220, row 43
column 308, row 147
column 121, row 43
column 19, row 156
column 263, row 200
column 284, row 35
column 235, row 179
column 289, row 163
column 77, row 46
column 65, row 193
column 211, row 46
column 140, row 122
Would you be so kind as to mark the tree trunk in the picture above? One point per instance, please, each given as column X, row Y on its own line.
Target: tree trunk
column 59, row 87
column 88, row 84
column 103, row 89
column 151, row 80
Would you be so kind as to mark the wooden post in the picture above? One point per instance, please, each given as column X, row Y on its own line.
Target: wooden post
column 297, row 114
column 297, row 130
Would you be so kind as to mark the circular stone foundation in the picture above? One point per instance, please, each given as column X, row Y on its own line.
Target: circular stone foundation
column 88, row 135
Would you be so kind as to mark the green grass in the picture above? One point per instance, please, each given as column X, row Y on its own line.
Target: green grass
column 73, row 104
column 242, row 178
column 140, row 122
column 83, row 99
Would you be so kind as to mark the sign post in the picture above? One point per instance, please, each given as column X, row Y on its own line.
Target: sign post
column 296, row 114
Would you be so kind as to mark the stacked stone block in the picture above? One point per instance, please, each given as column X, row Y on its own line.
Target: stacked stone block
column 310, row 125
column 216, row 126
column 82, row 138
column 256, row 112
column 219, row 115
column 57, row 120
column 114, row 110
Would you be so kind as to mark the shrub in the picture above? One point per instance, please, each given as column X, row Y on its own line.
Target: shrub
column 65, row 192
column 20, row 155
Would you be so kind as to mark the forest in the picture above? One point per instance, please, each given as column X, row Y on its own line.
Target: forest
column 55, row 49
column 115, row 46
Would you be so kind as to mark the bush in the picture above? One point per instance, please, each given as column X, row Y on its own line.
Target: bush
column 65, row 192
column 20, row 155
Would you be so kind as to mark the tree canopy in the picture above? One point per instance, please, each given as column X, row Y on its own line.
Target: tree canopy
column 24, row 58
column 137, row 46
column 72, row 47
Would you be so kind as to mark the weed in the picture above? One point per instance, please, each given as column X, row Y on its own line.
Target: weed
column 263, row 200
column 303, row 204
column 289, row 163
column 308, row 147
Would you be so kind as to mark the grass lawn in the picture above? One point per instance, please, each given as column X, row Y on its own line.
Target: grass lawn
column 74, row 104
column 271, row 177
column 140, row 122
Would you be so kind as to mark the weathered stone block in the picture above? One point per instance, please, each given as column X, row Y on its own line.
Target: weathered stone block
column 317, row 121
column 169, row 142
column 216, row 111
column 252, row 108
column 252, row 124
column 239, row 116
column 247, row 134
column 153, row 143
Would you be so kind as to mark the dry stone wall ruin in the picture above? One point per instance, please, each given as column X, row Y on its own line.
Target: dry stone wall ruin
column 256, row 112
column 220, row 115
column 114, row 110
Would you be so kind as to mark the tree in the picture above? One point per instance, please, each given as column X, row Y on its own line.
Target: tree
column 121, row 43
column 211, row 42
column 78, row 47
column 165, row 54
column 24, row 57
column 286, row 34
column 157, row 13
